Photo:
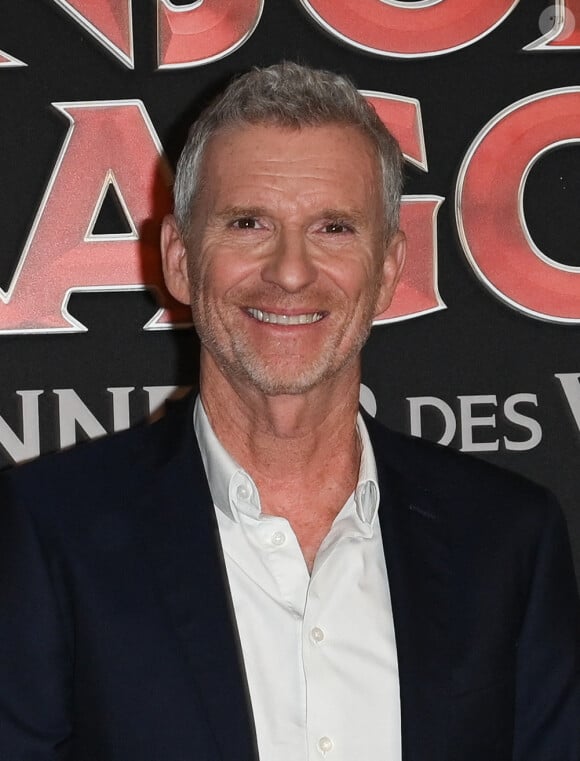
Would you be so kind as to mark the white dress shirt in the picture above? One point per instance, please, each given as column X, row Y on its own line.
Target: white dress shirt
column 319, row 650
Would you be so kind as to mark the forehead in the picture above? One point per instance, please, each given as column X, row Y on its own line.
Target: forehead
column 333, row 159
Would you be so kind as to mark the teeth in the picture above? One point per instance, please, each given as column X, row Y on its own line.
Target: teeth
column 285, row 319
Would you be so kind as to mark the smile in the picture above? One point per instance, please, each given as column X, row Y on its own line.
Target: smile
column 285, row 319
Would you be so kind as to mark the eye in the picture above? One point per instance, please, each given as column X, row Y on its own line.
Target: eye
column 246, row 223
column 337, row 228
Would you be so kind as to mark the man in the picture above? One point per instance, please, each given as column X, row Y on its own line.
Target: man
column 264, row 573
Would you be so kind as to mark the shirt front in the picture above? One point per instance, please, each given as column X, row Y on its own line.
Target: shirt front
column 319, row 650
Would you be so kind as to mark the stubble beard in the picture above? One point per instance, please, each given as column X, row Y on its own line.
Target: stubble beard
column 239, row 361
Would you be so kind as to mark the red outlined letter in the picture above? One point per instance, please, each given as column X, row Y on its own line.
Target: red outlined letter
column 203, row 31
column 489, row 206
column 7, row 60
column 109, row 21
column 107, row 144
column 417, row 291
column 402, row 30
column 560, row 27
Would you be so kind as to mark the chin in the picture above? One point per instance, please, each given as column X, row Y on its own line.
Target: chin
column 272, row 381
column 275, row 384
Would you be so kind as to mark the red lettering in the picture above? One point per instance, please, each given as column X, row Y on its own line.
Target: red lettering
column 417, row 291
column 409, row 30
column 560, row 24
column 490, row 214
column 198, row 33
column 108, row 21
column 403, row 118
column 115, row 144
column 108, row 143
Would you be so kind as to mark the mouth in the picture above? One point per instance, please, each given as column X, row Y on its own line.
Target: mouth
column 308, row 318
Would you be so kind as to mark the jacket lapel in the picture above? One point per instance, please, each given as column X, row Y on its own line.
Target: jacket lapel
column 183, row 542
column 417, row 557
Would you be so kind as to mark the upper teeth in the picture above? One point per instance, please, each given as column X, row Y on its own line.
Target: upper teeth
column 285, row 319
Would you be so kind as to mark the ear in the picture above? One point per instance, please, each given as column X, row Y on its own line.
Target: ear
column 174, row 258
column 392, row 267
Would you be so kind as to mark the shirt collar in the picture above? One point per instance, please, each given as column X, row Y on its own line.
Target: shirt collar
column 233, row 490
column 367, row 490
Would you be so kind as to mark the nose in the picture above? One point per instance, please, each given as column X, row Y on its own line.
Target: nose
column 289, row 265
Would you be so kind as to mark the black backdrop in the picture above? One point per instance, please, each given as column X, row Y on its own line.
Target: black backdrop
column 500, row 380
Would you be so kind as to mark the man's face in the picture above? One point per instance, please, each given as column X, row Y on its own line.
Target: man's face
column 286, row 257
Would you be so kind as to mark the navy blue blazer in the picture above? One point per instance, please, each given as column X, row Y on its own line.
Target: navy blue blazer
column 117, row 640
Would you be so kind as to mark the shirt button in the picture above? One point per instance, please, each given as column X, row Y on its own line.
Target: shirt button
column 317, row 634
column 325, row 745
column 243, row 492
column 278, row 538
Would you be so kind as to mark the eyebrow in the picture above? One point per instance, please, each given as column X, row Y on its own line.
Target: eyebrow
column 236, row 212
column 350, row 215
column 334, row 215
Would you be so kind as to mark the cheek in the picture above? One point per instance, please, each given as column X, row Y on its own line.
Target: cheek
column 219, row 283
column 359, row 284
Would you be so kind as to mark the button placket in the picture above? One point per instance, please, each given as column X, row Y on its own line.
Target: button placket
column 315, row 671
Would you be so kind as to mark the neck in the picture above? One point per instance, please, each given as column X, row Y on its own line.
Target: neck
column 283, row 435
column 302, row 450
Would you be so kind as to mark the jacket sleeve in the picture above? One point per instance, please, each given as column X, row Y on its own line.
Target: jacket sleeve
column 35, row 656
column 548, row 658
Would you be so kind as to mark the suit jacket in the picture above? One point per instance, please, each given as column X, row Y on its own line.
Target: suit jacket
column 118, row 643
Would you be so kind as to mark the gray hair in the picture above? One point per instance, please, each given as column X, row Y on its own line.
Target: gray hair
column 294, row 96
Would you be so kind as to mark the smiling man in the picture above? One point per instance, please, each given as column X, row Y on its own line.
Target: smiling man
column 285, row 260
column 266, row 573
column 293, row 256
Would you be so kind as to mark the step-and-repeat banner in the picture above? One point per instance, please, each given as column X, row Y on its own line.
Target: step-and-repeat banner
column 480, row 349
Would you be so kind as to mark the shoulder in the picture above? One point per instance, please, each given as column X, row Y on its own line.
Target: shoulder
column 464, row 488
column 97, row 473
column 496, row 527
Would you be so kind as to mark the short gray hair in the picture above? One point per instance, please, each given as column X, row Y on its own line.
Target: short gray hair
column 294, row 96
